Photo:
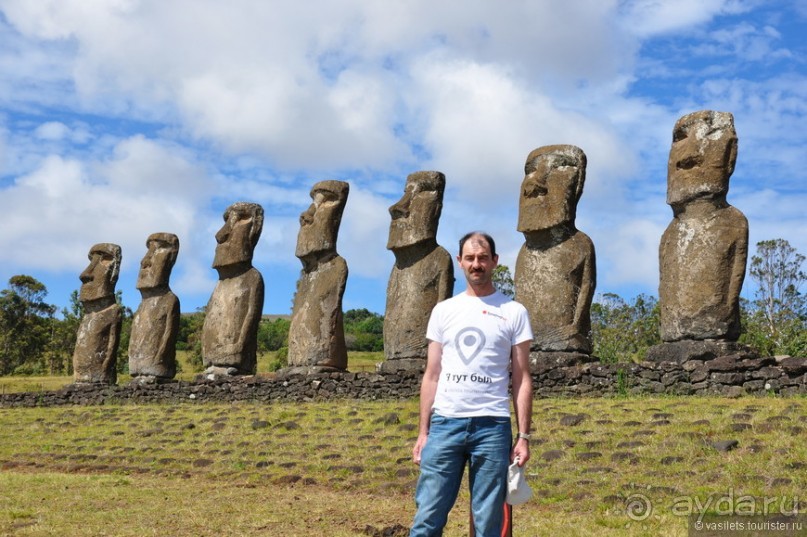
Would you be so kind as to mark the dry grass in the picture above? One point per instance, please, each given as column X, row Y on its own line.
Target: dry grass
column 336, row 468
column 357, row 361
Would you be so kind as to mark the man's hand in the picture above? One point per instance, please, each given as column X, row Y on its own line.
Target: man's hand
column 419, row 443
column 520, row 451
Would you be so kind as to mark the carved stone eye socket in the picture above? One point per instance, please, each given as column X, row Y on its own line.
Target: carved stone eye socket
column 679, row 134
column 689, row 162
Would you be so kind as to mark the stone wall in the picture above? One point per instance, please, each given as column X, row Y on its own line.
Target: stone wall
column 725, row 375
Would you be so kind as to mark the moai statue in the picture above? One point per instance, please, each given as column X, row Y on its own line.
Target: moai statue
column 317, row 334
column 152, row 344
column 703, row 251
column 230, row 330
column 555, row 270
column 98, row 336
column 423, row 274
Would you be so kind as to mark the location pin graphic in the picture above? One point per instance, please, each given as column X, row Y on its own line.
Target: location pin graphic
column 469, row 341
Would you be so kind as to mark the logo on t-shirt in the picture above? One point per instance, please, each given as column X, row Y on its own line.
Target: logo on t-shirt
column 469, row 341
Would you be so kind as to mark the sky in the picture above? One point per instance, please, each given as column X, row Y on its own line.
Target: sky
column 122, row 118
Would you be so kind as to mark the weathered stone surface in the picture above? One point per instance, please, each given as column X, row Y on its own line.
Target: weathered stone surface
column 152, row 344
column 98, row 336
column 686, row 350
column 703, row 251
column 555, row 273
column 423, row 274
column 230, row 331
column 316, row 334
column 794, row 365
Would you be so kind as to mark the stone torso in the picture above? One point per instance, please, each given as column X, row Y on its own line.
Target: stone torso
column 316, row 334
column 702, row 265
column 230, row 332
column 95, row 354
column 412, row 292
column 556, row 285
column 152, row 345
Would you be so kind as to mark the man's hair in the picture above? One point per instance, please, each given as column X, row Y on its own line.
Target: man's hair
column 482, row 234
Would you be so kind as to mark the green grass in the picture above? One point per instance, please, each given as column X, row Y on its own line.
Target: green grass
column 357, row 361
column 335, row 468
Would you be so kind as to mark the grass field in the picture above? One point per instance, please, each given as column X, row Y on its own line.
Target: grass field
column 357, row 361
column 627, row 466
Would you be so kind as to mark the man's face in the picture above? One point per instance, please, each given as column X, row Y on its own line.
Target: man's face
column 98, row 279
column 155, row 268
column 476, row 261
column 234, row 242
column 548, row 192
column 701, row 159
column 415, row 216
column 319, row 224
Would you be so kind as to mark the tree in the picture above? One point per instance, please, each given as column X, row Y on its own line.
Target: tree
column 364, row 330
column 273, row 335
column 25, row 325
column 63, row 338
column 776, row 321
column 503, row 281
column 622, row 332
column 190, row 337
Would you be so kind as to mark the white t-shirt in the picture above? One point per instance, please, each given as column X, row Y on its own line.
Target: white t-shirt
column 477, row 335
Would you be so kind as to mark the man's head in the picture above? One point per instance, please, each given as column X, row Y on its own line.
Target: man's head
column 552, row 186
column 99, row 278
column 161, row 254
column 319, row 224
column 478, row 258
column 702, row 157
column 416, row 215
column 237, row 238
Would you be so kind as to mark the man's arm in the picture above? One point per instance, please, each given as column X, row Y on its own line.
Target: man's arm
column 522, row 399
column 428, row 388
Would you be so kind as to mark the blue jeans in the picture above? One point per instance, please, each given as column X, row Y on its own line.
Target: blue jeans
column 484, row 442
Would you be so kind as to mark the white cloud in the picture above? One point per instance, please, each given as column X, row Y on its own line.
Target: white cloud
column 124, row 117
column 66, row 205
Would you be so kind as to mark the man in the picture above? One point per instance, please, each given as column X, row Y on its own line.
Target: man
column 464, row 404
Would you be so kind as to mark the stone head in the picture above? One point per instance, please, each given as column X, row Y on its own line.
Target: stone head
column 99, row 278
column 319, row 224
column 416, row 215
column 237, row 238
column 552, row 186
column 161, row 254
column 702, row 157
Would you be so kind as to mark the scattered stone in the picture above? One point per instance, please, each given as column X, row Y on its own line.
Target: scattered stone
column 388, row 419
column 621, row 456
column 739, row 427
column 552, row 455
column 589, row 455
column 570, row 420
column 390, row 531
column 725, row 446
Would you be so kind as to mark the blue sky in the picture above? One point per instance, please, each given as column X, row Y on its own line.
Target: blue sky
column 121, row 118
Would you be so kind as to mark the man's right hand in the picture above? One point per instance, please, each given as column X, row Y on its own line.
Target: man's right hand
column 419, row 443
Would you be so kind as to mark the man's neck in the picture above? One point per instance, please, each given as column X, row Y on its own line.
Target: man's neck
column 480, row 291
